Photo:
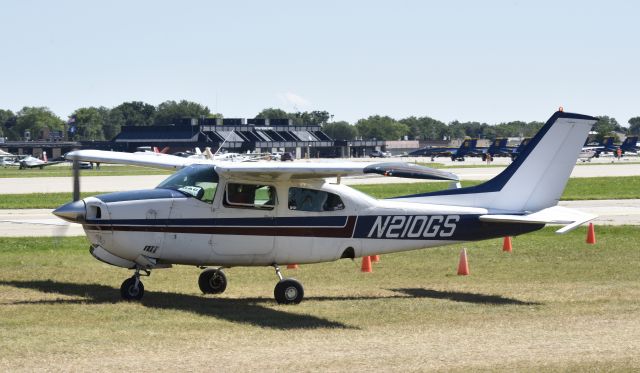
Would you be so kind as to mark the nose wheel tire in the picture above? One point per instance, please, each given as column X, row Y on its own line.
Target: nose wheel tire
column 288, row 291
column 132, row 289
column 212, row 281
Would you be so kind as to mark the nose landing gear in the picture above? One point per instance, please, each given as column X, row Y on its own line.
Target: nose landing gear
column 132, row 288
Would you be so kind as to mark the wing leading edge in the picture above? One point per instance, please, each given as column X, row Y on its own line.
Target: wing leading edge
column 317, row 170
column 153, row 160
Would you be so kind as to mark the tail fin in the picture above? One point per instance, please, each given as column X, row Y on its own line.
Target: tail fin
column 535, row 180
column 468, row 144
column 497, row 145
column 629, row 143
column 607, row 141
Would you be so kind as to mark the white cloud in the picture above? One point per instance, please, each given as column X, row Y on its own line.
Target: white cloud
column 290, row 98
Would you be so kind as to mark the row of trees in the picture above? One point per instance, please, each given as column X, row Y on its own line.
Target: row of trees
column 100, row 123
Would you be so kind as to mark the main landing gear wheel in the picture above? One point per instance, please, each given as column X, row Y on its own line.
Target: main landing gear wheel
column 288, row 291
column 132, row 289
column 212, row 281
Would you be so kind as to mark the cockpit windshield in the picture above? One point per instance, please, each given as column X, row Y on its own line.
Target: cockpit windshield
column 197, row 181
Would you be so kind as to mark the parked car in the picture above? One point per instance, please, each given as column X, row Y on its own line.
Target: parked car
column 85, row 165
column 378, row 154
column 288, row 156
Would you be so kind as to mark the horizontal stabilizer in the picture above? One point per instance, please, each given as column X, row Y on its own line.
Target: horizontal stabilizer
column 552, row 215
column 409, row 170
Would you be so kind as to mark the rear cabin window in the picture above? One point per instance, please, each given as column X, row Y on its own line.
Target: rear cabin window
column 303, row 199
column 250, row 196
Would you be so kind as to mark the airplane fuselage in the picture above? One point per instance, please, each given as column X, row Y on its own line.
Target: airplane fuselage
column 167, row 227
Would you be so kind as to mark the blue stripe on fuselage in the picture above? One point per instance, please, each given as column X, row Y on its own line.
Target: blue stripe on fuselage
column 313, row 221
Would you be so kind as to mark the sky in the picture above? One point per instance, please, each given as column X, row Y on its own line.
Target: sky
column 487, row 61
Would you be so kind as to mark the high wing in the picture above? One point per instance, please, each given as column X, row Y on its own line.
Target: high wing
column 316, row 170
column 571, row 219
column 266, row 171
column 146, row 159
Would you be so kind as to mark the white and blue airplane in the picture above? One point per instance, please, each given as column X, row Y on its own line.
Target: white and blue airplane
column 223, row 214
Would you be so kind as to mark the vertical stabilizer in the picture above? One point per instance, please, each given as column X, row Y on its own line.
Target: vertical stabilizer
column 535, row 180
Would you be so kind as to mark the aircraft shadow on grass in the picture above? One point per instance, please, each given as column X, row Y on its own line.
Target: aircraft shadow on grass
column 246, row 310
column 458, row 296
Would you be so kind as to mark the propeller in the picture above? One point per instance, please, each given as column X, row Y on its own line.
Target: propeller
column 62, row 229
column 76, row 179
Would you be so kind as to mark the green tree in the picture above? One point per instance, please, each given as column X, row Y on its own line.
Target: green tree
column 313, row 118
column 272, row 113
column 381, row 128
column 605, row 126
column 35, row 119
column 634, row 126
column 425, row 128
column 113, row 122
column 7, row 121
column 171, row 112
column 340, row 130
column 90, row 123
column 135, row 113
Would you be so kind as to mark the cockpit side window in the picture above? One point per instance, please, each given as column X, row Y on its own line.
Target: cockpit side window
column 197, row 181
column 303, row 199
column 250, row 196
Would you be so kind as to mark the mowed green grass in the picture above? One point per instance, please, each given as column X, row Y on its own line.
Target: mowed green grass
column 64, row 170
column 553, row 304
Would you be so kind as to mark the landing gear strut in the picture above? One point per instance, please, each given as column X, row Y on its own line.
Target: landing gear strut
column 132, row 288
column 287, row 290
column 212, row 281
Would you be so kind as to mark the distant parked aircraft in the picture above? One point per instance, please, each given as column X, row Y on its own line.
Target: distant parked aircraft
column 498, row 148
column 33, row 162
column 468, row 148
column 517, row 151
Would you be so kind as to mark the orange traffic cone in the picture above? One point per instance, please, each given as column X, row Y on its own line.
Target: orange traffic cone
column 366, row 264
column 506, row 245
column 591, row 234
column 375, row 258
column 463, row 264
column 292, row 266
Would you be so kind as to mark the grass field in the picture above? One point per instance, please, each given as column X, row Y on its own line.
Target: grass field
column 554, row 304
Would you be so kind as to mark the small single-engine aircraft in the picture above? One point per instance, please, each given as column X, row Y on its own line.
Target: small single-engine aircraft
column 468, row 148
column 33, row 162
column 224, row 214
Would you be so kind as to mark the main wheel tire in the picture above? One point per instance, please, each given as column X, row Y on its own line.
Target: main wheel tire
column 128, row 290
column 453, row 158
column 288, row 291
column 212, row 281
